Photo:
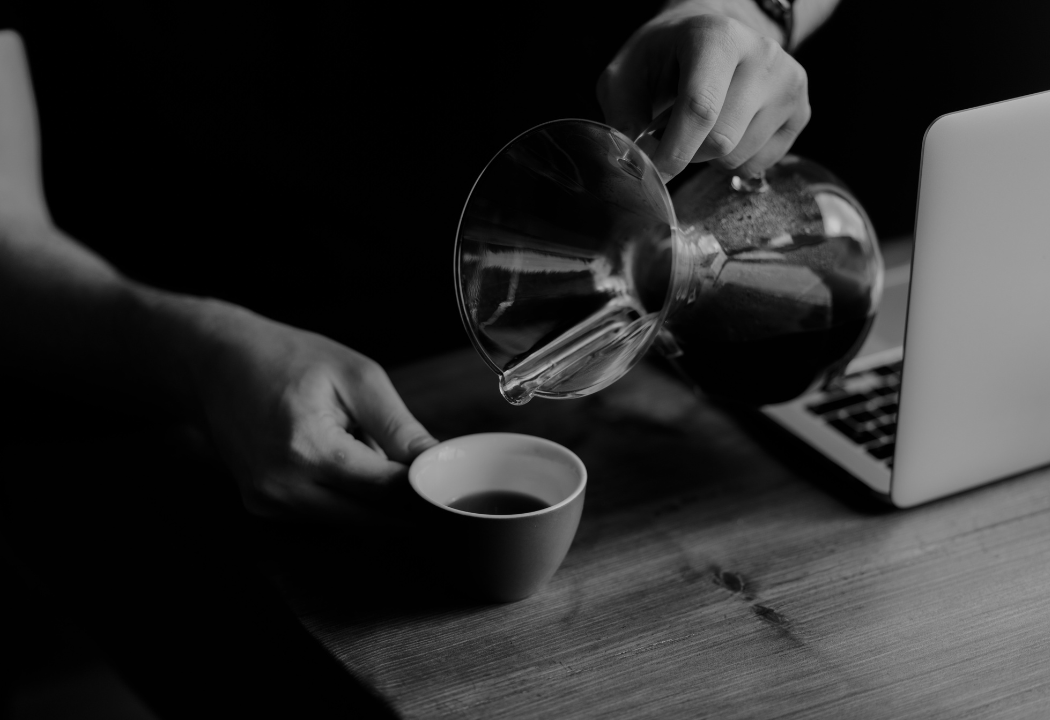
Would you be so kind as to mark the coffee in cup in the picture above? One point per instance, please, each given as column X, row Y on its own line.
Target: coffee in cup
column 507, row 508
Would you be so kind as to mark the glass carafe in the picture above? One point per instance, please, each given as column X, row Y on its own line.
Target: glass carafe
column 571, row 261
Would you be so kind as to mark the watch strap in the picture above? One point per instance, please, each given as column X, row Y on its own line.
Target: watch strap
column 783, row 14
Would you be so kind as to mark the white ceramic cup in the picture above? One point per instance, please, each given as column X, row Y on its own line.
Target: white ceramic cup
column 502, row 557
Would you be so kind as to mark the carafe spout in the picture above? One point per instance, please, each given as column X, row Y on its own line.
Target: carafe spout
column 515, row 392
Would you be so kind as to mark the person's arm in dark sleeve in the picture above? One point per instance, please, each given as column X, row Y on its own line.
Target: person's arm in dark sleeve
column 307, row 426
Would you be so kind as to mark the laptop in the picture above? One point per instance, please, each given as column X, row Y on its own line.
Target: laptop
column 951, row 389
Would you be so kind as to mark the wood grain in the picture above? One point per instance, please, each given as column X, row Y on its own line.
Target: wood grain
column 718, row 571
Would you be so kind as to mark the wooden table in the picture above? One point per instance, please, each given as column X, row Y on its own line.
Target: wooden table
column 719, row 570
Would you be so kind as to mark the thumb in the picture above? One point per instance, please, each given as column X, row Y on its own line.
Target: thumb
column 384, row 416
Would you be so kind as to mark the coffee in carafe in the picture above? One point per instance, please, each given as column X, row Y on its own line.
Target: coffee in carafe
column 572, row 261
column 791, row 289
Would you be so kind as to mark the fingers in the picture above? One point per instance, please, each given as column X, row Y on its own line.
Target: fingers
column 777, row 146
column 737, row 92
column 707, row 65
column 771, row 102
column 754, row 109
column 325, row 415
column 384, row 417
column 765, row 124
column 351, row 463
column 324, row 473
column 767, row 98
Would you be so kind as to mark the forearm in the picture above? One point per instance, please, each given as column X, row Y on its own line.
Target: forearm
column 75, row 327
column 808, row 16
column 74, row 332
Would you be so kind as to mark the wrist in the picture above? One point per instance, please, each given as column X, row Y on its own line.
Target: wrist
column 746, row 12
column 173, row 338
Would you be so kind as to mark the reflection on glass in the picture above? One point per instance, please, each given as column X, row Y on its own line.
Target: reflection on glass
column 571, row 258
column 789, row 293
column 546, row 254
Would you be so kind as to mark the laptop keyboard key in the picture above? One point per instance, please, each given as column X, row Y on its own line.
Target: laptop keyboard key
column 837, row 403
column 854, row 433
column 881, row 452
column 881, row 431
column 863, row 408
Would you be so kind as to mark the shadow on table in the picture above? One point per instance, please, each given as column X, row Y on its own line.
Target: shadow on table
column 361, row 575
column 788, row 451
column 810, row 464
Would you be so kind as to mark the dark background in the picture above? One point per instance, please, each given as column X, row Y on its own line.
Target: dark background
column 312, row 164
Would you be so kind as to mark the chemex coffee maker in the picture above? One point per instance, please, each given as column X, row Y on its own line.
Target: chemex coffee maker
column 572, row 260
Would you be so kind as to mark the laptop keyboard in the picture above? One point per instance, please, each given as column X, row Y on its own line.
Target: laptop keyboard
column 863, row 407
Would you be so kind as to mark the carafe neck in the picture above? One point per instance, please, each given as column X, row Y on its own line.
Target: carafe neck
column 698, row 260
column 699, row 255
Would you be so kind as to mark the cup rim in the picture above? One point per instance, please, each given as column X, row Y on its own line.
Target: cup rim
column 413, row 473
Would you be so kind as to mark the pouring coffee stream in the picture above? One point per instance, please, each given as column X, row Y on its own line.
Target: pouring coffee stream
column 572, row 260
